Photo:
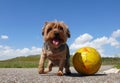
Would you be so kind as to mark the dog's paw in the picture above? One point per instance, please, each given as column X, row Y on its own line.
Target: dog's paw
column 46, row 71
column 68, row 72
column 41, row 71
column 60, row 73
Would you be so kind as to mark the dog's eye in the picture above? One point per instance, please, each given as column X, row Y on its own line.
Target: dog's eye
column 49, row 29
column 60, row 28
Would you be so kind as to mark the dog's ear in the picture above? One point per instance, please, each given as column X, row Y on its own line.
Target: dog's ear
column 43, row 30
column 68, row 33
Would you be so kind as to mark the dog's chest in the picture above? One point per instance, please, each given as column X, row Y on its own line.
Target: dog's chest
column 56, row 56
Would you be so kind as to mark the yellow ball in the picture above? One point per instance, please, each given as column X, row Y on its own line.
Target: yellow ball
column 87, row 61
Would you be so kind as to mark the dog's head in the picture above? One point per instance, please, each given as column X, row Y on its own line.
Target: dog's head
column 55, row 33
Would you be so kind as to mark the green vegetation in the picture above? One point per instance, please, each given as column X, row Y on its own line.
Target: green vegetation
column 117, row 66
column 21, row 62
column 33, row 61
column 111, row 61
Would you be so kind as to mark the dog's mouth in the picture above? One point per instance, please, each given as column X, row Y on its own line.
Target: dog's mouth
column 56, row 41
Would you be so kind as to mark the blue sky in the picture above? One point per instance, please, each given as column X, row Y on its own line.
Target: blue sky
column 90, row 22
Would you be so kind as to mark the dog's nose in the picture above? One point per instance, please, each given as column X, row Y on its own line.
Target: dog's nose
column 56, row 34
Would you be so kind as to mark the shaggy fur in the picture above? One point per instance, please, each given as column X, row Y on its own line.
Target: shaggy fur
column 55, row 35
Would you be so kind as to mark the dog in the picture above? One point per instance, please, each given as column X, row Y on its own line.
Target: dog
column 55, row 35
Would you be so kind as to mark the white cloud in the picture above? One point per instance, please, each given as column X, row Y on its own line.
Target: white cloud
column 114, row 42
column 116, row 34
column 82, row 40
column 7, row 52
column 4, row 37
column 113, row 39
column 99, row 43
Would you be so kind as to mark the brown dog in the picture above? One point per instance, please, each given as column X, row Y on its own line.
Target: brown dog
column 55, row 35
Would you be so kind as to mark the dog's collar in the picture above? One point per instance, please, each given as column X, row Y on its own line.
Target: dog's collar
column 59, row 49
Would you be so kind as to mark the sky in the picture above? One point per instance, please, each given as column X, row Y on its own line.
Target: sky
column 94, row 23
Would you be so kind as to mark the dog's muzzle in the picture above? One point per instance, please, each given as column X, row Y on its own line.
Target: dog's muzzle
column 56, row 40
column 56, row 34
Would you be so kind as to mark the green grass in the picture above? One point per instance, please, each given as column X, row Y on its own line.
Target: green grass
column 18, row 64
column 33, row 61
column 117, row 66
column 110, row 61
column 21, row 62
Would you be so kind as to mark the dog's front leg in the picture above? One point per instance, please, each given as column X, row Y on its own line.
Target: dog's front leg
column 50, row 65
column 41, row 64
column 61, row 65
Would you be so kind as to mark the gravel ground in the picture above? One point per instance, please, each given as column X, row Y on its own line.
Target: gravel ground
column 30, row 75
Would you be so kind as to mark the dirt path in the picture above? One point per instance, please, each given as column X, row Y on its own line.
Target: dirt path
column 30, row 75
